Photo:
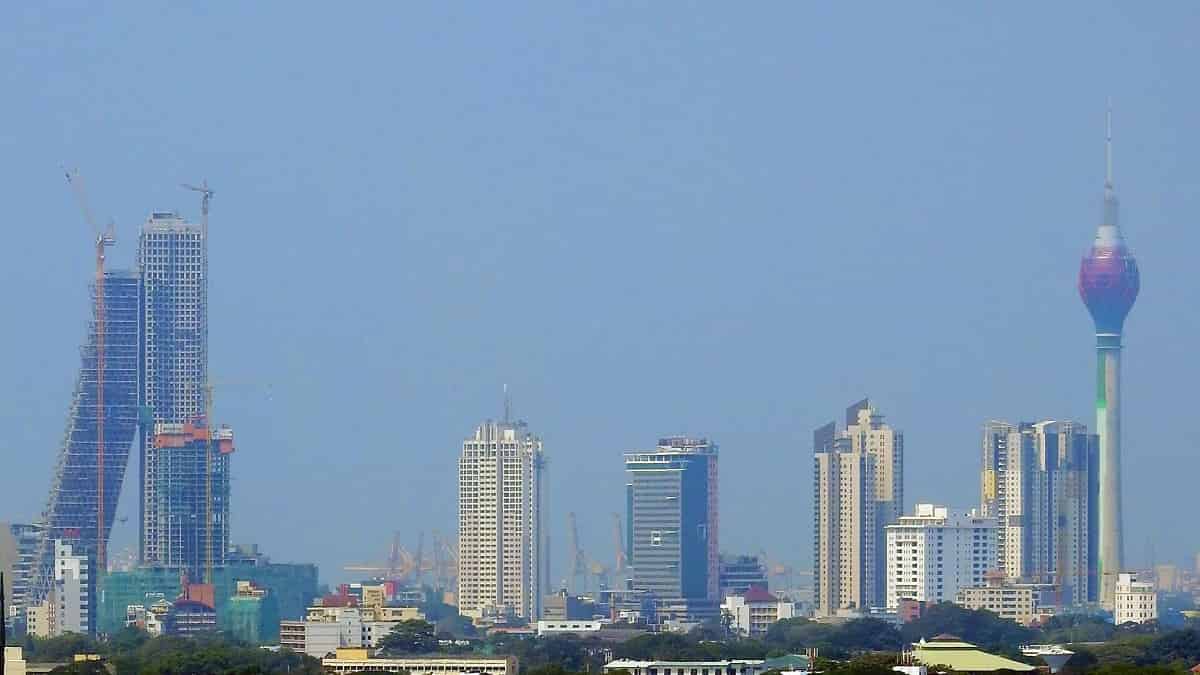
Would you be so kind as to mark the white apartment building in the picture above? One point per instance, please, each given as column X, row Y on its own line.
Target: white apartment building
column 69, row 608
column 327, row 629
column 500, row 547
column 1022, row 603
column 935, row 552
column 1136, row 601
column 752, row 613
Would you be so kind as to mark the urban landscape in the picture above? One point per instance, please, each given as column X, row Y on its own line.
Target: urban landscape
column 136, row 555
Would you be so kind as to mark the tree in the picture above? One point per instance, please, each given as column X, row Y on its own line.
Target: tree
column 410, row 637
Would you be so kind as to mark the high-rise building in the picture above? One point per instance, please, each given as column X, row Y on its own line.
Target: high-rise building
column 844, row 524
column 73, row 508
column 1108, row 284
column 1039, row 483
column 868, row 433
column 673, row 526
column 848, row 555
column 173, row 262
column 69, row 605
column 500, row 534
column 192, row 472
column 935, row 552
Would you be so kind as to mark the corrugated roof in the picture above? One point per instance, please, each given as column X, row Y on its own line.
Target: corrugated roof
column 965, row 657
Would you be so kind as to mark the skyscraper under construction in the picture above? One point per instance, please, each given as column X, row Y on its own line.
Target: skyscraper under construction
column 73, row 509
column 173, row 263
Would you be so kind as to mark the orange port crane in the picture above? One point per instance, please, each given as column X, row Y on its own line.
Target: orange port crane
column 103, row 239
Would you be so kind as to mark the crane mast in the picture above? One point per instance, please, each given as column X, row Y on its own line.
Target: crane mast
column 104, row 239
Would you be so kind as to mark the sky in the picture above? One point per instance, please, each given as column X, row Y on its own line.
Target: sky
column 728, row 220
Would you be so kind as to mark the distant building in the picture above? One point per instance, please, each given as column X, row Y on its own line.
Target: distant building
column 1022, row 603
column 739, row 573
column 1135, row 602
column 70, row 605
column 195, row 485
column 359, row 660
column 844, row 536
column 563, row 606
column 23, row 540
column 933, row 553
column 501, row 565
column 189, row 618
column 720, row 667
column 673, row 520
column 338, row 624
column 78, row 487
column 1167, row 578
column 1039, row 481
column 151, row 618
column 173, row 262
column 754, row 612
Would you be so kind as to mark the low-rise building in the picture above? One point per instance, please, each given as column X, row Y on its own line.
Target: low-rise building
column 739, row 573
column 724, row 667
column 1135, row 601
column 752, row 613
column 1022, row 603
column 963, row 657
column 189, row 618
column 14, row 661
column 338, row 624
column 356, row 660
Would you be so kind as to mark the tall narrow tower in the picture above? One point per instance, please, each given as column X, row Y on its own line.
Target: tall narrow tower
column 1108, row 284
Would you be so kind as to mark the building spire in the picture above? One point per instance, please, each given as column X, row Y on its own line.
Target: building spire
column 507, row 405
column 1110, row 195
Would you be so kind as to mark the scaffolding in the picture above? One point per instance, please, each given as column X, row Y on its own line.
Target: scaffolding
column 81, row 477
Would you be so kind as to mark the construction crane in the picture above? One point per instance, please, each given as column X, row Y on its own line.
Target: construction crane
column 103, row 240
column 579, row 562
column 205, row 196
column 619, row 544
column 399, row 566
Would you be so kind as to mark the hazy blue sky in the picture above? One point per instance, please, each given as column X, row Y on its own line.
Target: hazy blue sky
column 648, row 218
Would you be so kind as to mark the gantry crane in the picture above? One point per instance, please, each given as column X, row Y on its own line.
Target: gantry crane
column 104, row 239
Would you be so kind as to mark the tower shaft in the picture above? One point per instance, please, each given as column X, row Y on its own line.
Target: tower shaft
column 1108, row 426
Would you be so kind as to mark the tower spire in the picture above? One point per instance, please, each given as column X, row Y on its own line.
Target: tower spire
column 507, row 405
column 1110, row 195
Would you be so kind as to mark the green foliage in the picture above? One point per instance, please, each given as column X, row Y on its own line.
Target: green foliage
column 61, row 648
column 833, row 640
column 410, row 637
column 979, row 627
column 1069, row 628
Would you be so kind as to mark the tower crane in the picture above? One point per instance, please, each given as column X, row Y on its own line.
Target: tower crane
column 205, row 196
column 103, row 239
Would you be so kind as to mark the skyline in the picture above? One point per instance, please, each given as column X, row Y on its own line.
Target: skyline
column 753, row 312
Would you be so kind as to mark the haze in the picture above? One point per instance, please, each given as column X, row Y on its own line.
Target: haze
column 646, row 219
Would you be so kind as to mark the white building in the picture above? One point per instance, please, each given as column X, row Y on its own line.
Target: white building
column 359, row 660
column 69, row 608
column 500, row 547
column 752, row 613
column 934, row 553
column 1136, row 601
column 324, row 630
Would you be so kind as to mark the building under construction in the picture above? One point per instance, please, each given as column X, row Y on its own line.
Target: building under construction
column 87, row 482
column 192, row 475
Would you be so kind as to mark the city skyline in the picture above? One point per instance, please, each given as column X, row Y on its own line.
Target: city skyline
column 360, row 272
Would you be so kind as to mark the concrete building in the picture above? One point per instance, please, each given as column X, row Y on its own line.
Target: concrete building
column 359, row 660
column 74, row 592
column 1022, row 603
column 193, row 487
column 14, row 661
column 844, row 535
column 869, row 435
column 326, row 628
column 752, row 613
column 562, row 606
column 934, row 552
column 18, row 550
column 1109, row 281
column 173, row 263
column 189, row 618
column 501, row 564
column 1039, row 482
column 671, row 498
column 1134, row 601
column 722, row 667
column 739, row 573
